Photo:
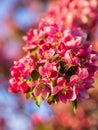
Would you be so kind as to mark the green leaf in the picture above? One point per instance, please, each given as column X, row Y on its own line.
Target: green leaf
column 74, row 103
column 35, row 75
column 38, row 100
column 54, row 82
column 52, row 98
column 32, row 51
column 28, row 95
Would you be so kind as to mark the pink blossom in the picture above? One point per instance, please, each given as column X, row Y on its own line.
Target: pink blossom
column 24, row 87
column 14, row 87
column 31, row 39
column 46, row 51
column 20, row 72
column 83, row 73
column 87, row 20
column 42, row 89
column 61, row 83
column 60, row 64
column 64, row 92
column 48, row 70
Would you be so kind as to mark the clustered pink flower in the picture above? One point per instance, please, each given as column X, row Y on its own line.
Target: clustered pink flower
column 74, row 13
column 20, row 73
column 59, row 66
column 60, row 63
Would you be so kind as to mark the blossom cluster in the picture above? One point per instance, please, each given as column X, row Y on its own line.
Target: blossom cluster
column 20, row 72
column 74, row 13
column 59, row 66
column 60, row 63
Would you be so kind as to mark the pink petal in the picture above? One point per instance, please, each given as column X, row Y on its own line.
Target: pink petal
column 40, row 53
column 34, row 83
column 80, row 53
column 83, row 73
column 76, row 60
column 24, row 87
column 73, row 80
column 62, row 97
column 74, row 94
column 53, row 74
column 69, row 94
column 57, row 89
column 45, row 47
column 45, row 92
column 83, row 95
column 67, row 57
column 42, row 71
column 14, row 88
column 61, row 81
column 37, row 91
column 78, row 41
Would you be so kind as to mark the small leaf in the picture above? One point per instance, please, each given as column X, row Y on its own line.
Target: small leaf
column 52, row 99
column 35, row 75
column 38, row 100
column 74, row 103
column 54, row 82
column 32, row 51
column 28, row 95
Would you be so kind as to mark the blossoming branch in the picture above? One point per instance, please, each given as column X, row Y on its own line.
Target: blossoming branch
column 59, row 65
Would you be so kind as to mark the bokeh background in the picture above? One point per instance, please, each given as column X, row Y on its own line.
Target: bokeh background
column 17, row 113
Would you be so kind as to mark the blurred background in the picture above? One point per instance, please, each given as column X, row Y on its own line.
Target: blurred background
column 17, row 113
